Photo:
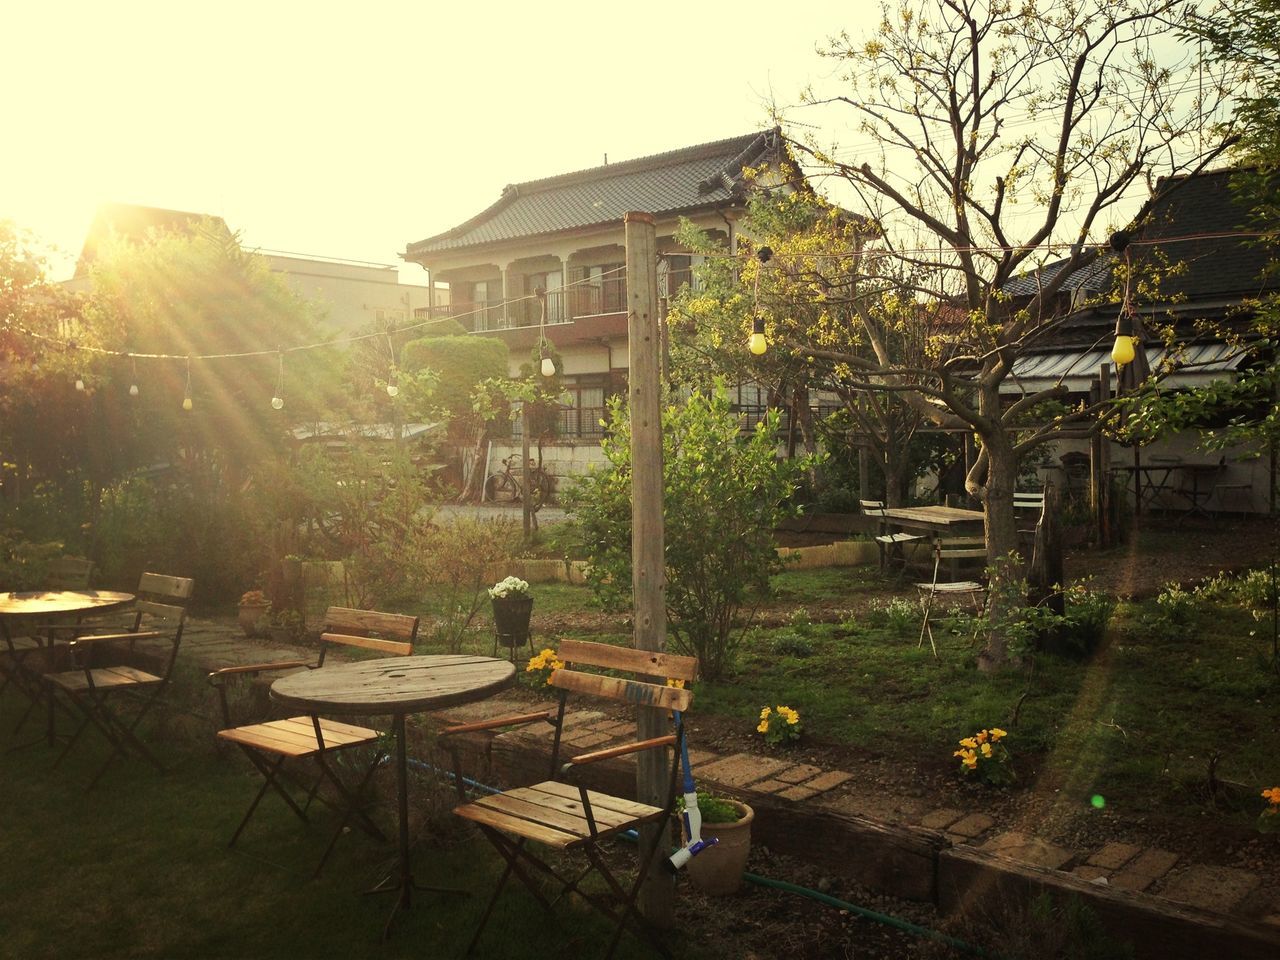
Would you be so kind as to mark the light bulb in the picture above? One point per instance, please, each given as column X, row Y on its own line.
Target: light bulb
column 757, row 344
column 392, row 390
column 548, row 367
column 186, row 403
column 277, row 403
column 133, row 389
column 79, row 385
column 1122, row 351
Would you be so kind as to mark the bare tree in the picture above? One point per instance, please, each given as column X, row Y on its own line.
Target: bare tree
column 1002, row 136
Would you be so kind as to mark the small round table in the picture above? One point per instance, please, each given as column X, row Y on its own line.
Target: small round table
column 35, row 604
column 397, row 686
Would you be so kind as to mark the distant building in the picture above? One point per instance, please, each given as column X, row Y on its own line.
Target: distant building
column 354, row 295
column 564, row 235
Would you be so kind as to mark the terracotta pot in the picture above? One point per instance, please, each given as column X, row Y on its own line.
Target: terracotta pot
column 249, row 616
column 718, row 870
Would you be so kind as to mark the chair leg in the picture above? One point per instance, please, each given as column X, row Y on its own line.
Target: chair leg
column 353, row 799
column 269, row 772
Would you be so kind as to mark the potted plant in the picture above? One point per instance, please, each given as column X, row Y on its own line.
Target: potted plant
column 285, row 626
column 512, row 607
column 253, row 607
column 717, row 870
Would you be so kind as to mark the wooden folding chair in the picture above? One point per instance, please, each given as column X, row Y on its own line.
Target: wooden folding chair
column 951, row 550
column 272, row 745
column 570, row 819
column 94, row 691
column 889, row 543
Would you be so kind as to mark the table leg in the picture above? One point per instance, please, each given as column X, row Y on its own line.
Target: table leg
column 406, row 884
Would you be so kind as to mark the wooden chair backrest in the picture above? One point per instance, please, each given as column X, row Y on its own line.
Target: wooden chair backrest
column 156, row 593
column 1028, row 501
column 70, row 573
column 644, row 663
column 960, row 548
column 389, row 633
column 872, row 508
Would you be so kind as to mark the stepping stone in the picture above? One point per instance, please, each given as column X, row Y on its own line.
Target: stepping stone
column 1032, row 850
column 941, row 819
column 742, row 769
column 1113, row 856
column 1148, row 867
column 827, row 781
column 1211, row 888
column 797, row 774
column 798, row 793
column 975, row 824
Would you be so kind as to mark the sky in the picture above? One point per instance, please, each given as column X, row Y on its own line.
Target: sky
column 351, row 130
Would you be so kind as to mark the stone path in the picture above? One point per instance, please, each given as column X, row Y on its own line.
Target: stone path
column 1240, row 893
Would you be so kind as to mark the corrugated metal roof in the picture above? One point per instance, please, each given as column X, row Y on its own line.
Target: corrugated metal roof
column 1190, row 366
column 661, row 184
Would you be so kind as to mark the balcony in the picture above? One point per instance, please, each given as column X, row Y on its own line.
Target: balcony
column 603, row 297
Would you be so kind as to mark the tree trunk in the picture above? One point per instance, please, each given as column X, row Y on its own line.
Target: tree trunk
column 1003, row 597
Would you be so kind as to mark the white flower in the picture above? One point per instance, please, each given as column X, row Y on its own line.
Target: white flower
column 510, row 587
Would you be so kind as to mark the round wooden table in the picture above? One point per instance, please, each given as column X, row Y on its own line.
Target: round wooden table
column 39, row 605
column 397, row 686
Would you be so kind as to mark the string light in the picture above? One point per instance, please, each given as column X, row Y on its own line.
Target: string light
column 1125, row 347
column 757, row 343
column 79, row 384
column 277, row 401
column 133, row 385
column 186, row 397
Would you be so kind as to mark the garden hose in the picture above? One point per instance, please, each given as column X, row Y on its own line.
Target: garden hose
column 915, row 929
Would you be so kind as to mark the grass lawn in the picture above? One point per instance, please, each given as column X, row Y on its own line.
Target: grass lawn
column 1137, row 723
column 139, row 868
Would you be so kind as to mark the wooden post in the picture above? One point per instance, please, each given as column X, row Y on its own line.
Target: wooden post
column 648, row 549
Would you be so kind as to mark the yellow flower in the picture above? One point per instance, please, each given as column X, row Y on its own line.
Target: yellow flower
column 981, row 737
column 1272, row 795
column 678, row 684
column 997, row 733
column 764, row 714
column 764, row 727
column 986, row 750
column 971, row 762
column 969, row 743
column 791, row 716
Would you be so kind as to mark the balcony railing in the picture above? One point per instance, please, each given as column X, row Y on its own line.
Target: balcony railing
column 604, row 296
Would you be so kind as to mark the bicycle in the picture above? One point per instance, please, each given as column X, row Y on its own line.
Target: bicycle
column 505, row 487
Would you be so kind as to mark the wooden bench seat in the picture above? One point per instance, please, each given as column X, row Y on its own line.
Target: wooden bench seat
column 551, row 813
column 296, row 736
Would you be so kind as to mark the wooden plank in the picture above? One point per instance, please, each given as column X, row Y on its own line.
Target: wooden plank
column 271, row 741
column 395, row 648
column 160, row 585
column 548, row 836
column 390, row 626
column 570, row 821
column 605, row 801
column 166, row 611
column 570, row 802
column 627, row 691
column 650, row 663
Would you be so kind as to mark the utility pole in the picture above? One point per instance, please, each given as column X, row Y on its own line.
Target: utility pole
column 648, row 577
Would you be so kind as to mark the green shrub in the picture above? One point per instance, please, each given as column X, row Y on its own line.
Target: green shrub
column 714, row 809
column 723, row 495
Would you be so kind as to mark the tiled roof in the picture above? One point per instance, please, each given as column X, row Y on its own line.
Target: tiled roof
column 665, row 183
column 1216, row 267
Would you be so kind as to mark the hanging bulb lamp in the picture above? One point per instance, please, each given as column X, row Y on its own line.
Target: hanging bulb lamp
column 757, row 343
column 133, row 389
column 186, row 396
column 79, row 385
column 548, row 367
column 277, row 400
column 392, row 390
column 1125, row 347
column 133, row 384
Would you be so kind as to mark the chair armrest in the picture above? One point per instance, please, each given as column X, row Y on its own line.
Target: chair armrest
column 97, row 637
column 217, row 675
column 548, row 716
column 668, row 741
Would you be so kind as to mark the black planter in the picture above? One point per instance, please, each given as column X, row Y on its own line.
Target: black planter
column 511, row 621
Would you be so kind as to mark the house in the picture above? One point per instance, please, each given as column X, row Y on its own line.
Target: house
column 564, row 235
column 1211, row 270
